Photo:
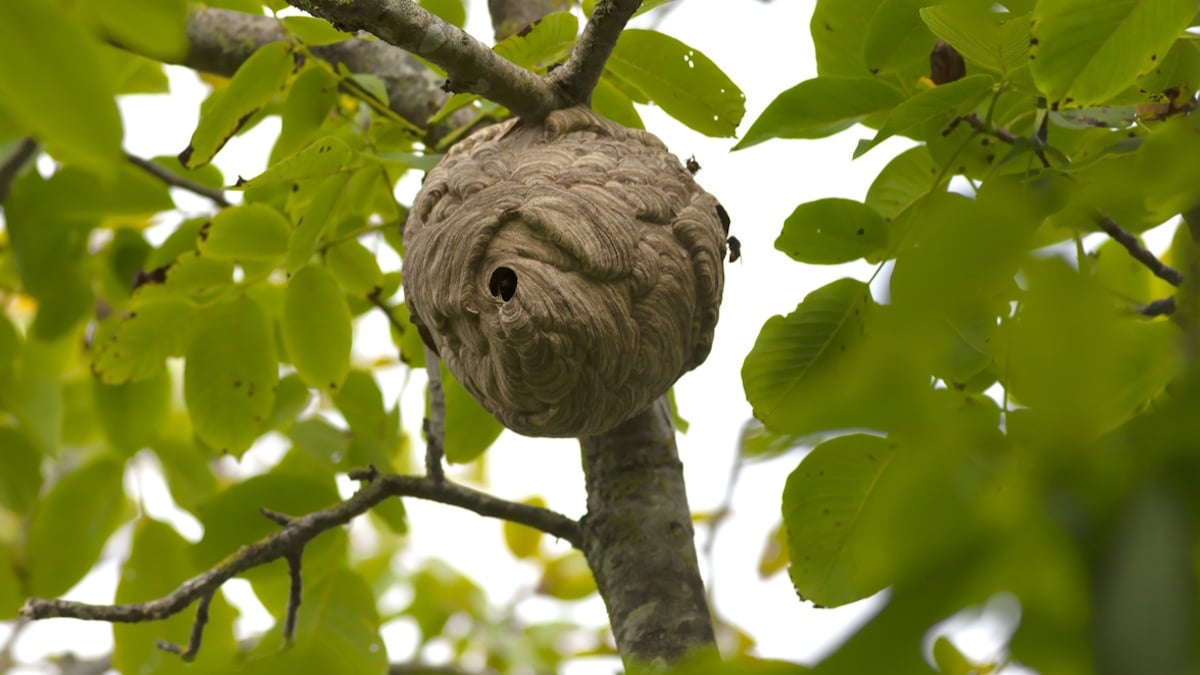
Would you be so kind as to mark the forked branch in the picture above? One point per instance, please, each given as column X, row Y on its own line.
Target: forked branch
column 290, row 540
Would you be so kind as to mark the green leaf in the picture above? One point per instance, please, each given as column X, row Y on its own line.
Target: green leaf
column 70, row 525
column 20, row 471
column 361, row 402
column 291, row 398
column 470, row 430
column 59, row 92
column 12, row 596
column 997, row 41
column 453, row 12
column 820, row 107
column 907, row 178
column 337, row 632
column 549, row 40
column 323, row 157
column 135, row 345
column 154, row 28
column 838, row 30
column 1089, row 52
column 680, row 80
column 310, row 100
column 354, row 267
column 230, row 375
column 1081, row 368
column 158, row 563
column 320, row 439
column 822, row 503
column 611, row 102
column 133, row 414
column 832, row 231
column 313, row 31
column 313, row 220
column 186, row 470
column 246, row 233
column 938, row 106
column 317, row 328
column 896, row 40
column 254, row 84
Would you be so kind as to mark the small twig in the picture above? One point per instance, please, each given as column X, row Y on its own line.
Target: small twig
column 1161, row 307
column 171, row 178
column 579, row 75
column 1139, row 252
column 364, row 475
column 435, row 424
column 983, row 127
column 294, row 597
column 193, row 645
column 276, row 517
column 295, row 535
column 11, row 166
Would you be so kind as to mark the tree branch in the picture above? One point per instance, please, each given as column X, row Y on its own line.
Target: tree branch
column 297, row 533
column 579, row 75
column 12, row 165
column 1161, row 307
column 171, row 178
column 1139, row 252
column 471, row 66
column 435, row 424
column 220, row 40
column 639, row 543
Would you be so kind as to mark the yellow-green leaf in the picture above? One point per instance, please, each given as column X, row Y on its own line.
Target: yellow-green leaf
column 155, row 28
column 70, row 525
column 135, row 345
column 248, row 232
column 20, row 470
column 313, row 31
column 567, row 577
column 133, row 414
column 354, row 267
column 230, row 375
column 317, row 328
column 252, row 86
column 523, row 540
column 54, row 85
column 321, row 158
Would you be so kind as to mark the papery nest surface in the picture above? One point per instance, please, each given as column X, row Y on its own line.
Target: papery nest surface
column 567, row 272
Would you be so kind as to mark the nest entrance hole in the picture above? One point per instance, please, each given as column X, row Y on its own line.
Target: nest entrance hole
column 503, row 283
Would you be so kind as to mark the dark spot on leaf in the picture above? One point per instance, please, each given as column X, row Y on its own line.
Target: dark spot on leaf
column 828, row 28
column 989, row 158
column 237, row 383
column 332, row 386
column 825, row 510
column 157, row 275
column 1154, row 57
column 860, row 231
column 871, row 457
column 1033, row 42
column 874, row 71
column 295, row 187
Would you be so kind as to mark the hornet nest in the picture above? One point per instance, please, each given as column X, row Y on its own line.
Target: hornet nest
column 568, row 272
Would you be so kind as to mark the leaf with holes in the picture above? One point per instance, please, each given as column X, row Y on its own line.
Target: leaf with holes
column 230, row 375
column 686, row 84
column 832, row 231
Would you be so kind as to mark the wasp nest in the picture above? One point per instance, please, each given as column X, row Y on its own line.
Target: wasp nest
column 567, row 272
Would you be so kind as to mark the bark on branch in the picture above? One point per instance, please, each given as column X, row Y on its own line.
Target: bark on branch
column 638, row 540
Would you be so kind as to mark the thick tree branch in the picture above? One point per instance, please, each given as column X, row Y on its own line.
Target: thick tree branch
column 171, row 178
column 471, row 65
column 638, row 540
column 579, row 75
column 220, row 40
column 298, row 532
column 11, row 166
column 1139, row 252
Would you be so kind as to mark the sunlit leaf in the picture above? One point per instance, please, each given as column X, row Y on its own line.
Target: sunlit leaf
column 133, row 414
column 998, row 41
column 155, row 28
column 686, row 84
column 908, row 177
column 354, row 267
column 523, row 541
column 135, row 345
column 324, row 157
column 611, row 102
column 1088, row 52
column 246, row 233
column 896, row 40
column 453, row 12
column 313, row 31
column 547, row 41
column 231, row 373
column 470, row 430
column 313, row 220
column 567, row 577
column 254, row 84
column 316, row 327
column 938, row 106
column 70, row 525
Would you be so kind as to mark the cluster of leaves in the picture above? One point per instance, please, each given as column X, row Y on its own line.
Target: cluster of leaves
column 131, row 328
column 994, row 412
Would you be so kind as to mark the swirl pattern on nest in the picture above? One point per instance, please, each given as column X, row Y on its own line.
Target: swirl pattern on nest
column 567, row 272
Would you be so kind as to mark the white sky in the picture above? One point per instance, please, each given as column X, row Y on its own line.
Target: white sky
column 764, row 48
